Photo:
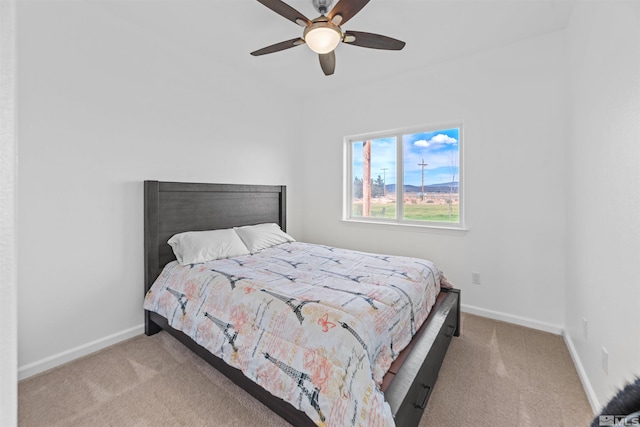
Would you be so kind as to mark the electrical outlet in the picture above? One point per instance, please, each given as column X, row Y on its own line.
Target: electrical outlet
column 605, row 360
column 475, row 278
column 584, row 327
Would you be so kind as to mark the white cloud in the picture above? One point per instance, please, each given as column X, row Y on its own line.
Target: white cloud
column 443, row 139
column 422, row 143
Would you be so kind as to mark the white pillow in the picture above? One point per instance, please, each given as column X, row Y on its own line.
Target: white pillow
column 262, row 236
column 194, row 247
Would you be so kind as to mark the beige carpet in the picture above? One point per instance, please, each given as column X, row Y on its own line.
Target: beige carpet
column 495, row 374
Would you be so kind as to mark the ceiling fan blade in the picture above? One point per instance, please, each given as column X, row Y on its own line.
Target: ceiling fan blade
column 345, row 10
column 328, row 62
column 278, row 47
column 287, row 11
column 373, row 41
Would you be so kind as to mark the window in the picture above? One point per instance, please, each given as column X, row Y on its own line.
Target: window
column 406, row 176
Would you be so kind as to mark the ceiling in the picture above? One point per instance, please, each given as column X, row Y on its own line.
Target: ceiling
column 434, row 30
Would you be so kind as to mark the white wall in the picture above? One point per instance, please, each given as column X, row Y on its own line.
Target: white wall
column 512, row 102
column 8, row 239
column 103, row 106
column 603, row 200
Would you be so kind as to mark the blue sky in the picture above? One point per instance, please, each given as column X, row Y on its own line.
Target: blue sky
column 439, row 149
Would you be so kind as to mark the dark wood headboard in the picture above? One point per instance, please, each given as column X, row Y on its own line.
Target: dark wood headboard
column 175, row 207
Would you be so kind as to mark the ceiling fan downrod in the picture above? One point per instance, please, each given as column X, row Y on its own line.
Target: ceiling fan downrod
column 321, row 6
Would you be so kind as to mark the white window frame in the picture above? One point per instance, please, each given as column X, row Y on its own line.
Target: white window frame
column 399, row 221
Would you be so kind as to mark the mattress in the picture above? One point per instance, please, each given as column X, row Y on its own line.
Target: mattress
column 314, row 325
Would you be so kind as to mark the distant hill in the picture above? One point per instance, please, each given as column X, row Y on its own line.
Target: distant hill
column 444, row 187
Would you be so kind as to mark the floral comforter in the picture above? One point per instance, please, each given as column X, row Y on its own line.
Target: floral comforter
column 316, row 326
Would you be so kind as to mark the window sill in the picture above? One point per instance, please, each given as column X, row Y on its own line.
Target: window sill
column 440, row 229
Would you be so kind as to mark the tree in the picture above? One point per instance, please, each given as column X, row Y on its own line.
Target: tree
column 377, row 187
column 357, row 188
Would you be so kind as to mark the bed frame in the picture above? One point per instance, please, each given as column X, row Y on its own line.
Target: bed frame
column 174, row 207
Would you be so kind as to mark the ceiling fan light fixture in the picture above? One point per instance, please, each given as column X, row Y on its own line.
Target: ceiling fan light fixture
column 322, row 36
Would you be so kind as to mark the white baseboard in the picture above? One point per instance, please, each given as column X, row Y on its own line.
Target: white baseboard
column 510, row 318
column 596, row 407
column 50, row 362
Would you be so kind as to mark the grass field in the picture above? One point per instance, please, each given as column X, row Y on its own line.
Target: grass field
column 421, row 212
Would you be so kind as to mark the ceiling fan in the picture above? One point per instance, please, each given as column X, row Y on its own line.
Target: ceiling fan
column 324, row 33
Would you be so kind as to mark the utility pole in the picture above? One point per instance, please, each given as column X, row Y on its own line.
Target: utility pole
column 366, row 178
column 423, row 164
column 384, row 181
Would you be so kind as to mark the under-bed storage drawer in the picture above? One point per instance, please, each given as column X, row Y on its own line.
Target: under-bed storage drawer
column 411, row 388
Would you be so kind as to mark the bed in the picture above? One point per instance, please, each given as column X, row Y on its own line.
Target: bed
column 171, row 208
